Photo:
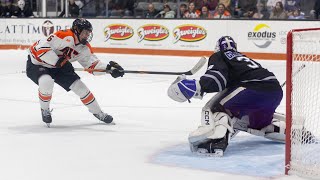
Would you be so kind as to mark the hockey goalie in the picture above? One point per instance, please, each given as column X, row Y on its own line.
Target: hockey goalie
column 246, row 99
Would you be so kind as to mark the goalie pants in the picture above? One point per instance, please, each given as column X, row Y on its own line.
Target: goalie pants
column 258, row 105
column 63, row 76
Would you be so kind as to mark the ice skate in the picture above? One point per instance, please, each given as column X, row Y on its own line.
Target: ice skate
column 46, row 116
column 105, row 118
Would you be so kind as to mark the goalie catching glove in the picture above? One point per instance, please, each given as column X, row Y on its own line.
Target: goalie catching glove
column 115, row 69
column 183, row 89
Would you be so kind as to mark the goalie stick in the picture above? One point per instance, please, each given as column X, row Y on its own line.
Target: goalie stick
column 195, row 69
column 295, row 73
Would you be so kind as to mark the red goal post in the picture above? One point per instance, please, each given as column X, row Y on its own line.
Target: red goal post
column 303, row 103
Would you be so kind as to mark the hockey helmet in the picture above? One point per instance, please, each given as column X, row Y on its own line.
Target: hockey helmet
column 225, row 43
column 78, row 26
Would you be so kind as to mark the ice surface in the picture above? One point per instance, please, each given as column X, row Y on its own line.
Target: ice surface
column 148, row 142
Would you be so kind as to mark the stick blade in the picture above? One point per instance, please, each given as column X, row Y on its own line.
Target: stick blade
column 198, row 66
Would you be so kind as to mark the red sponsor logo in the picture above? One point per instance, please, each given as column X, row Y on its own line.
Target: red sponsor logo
column 189, row 33
column 152, row 32
column 118, row 32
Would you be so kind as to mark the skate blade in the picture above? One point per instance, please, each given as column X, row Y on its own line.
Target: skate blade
column 48, row 125
column 204, row 152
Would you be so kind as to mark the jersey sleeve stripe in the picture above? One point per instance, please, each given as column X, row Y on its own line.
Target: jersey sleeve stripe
column 215, row 79
column 264, row 79
column 221, row 75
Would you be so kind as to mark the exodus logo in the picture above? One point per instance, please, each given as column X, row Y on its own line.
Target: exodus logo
column 152, row 32
column 118, row 32
column 262, row 36
column 189, row 33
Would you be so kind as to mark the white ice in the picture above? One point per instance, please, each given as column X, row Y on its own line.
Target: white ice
column 149, row 140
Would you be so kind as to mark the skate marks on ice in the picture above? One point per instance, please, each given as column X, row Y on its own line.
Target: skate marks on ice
column 245, row 155
column 65, row 128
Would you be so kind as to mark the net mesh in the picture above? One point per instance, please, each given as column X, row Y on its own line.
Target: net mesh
column 305, row 104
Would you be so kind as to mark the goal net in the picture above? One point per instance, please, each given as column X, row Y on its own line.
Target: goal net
column 303, row 103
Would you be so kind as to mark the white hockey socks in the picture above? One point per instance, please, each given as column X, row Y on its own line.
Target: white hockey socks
column 87, row 98
column 45, row 83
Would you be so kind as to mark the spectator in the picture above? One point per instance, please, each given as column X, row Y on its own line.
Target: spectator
column 151, row 12
column 315, row 12
column 183, row 9
column 167, row 12
column 296, row 14
column 197, row 4
column 244, row 6
column 292, row 5
column 272, row 3
column 74, row 10
column 221, row 12
column 10, row 10
column 262, row 12
column 226, row 3
column 210, row 4
column 278, row 12
column 24, row 11
column 249, row 14
column 205, row 13
column 192, row 12
column 1, row 10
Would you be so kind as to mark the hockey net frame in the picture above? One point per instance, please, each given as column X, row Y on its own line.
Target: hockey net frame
column 296, row 145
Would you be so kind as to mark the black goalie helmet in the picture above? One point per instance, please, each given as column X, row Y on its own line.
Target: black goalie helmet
column 78, row 26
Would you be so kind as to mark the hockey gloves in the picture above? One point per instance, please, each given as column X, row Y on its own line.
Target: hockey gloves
column 115, row 69
column 64, row 58
column 183, row 89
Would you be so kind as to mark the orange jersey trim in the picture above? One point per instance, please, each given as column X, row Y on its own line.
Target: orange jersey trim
column 89, row 46
column 64, row 33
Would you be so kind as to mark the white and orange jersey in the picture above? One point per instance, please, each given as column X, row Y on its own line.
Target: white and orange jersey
column 46, row 52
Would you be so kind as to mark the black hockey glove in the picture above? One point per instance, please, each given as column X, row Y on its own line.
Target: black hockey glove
column 115, row 69
column 62, row 61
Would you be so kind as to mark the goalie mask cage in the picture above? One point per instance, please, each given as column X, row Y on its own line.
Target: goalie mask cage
column 303, row 103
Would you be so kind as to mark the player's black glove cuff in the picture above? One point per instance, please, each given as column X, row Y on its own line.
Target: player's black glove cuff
column 62, row 61
column 115, row 69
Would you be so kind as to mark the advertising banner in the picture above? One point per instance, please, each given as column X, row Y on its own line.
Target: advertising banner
column 161, row 34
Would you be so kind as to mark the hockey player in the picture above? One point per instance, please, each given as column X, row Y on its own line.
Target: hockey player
column 246, row 100
column 49, row 61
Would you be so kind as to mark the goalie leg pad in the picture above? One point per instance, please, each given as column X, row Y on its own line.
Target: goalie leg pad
column 213, row 133
column 275, row 131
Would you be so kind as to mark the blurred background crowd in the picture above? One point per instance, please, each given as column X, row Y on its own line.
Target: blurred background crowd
column 199, row 9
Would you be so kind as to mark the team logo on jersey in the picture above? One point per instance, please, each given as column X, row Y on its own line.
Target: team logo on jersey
column 189, row 33
column 47, row 28
column 262, row 36
column 118, row 32
column 152, row 32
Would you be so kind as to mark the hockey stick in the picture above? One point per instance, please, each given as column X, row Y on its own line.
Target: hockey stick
column 295, row 73
column 195, row 69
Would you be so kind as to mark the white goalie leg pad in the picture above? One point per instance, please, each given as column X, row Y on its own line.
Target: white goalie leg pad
column 277, row 133
column 219, row 124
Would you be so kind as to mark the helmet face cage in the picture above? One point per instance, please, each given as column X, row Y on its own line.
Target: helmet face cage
column 78, row 26
column 226, row 43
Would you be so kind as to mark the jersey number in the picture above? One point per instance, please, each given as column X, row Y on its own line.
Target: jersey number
column 251, row 63
column 50, row 38
column 67, row 51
